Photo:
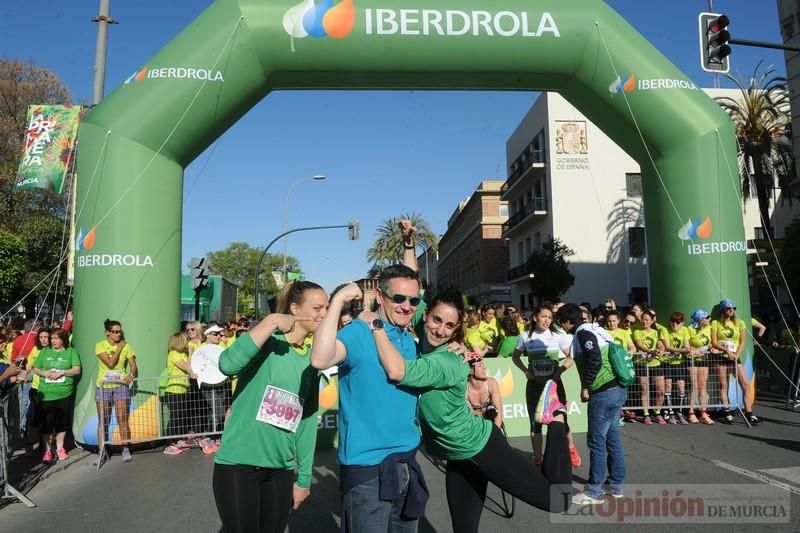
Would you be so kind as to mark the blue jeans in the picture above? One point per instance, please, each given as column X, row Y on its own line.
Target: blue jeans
column 24, row 405
column 363, row 512
column 605, row 446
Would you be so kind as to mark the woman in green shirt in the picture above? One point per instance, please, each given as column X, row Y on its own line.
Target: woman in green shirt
column 475, row 449
column 272, row 427
column 56, row 367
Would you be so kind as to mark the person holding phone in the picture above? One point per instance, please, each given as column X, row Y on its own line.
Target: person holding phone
column 116, row 370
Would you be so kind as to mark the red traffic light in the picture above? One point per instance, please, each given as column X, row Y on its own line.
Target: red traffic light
column 719, row 24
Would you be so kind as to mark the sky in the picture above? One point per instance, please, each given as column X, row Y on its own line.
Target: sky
column 383, row 153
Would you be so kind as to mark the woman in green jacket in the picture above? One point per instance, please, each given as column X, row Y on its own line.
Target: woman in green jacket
column 273, row 423
column 475, row 449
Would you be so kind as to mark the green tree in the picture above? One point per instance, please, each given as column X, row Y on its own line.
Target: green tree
column 36, row 216
column 762, row 119
column 550, row 269
column 388, row 245
column 238, row 263
column 13, row 255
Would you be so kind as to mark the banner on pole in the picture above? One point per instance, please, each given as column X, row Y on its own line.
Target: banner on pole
column 49, row 144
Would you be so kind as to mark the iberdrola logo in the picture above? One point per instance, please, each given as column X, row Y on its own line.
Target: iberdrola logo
column 695, row 230
column 85, row 240
column 628, row 86
column 319, row 21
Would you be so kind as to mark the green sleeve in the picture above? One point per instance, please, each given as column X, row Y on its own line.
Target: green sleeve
column 429, row 372
column 418, row 314
column 38, row 362
column 76, row 360
column 305, row 439
column 237, row 356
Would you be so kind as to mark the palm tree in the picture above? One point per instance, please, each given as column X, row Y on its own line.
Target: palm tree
column 388, row 245
column 762, row 119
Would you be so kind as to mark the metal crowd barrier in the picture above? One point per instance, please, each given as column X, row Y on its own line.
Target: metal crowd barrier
column 161, row 408
column 9, row 427
column 683, row 376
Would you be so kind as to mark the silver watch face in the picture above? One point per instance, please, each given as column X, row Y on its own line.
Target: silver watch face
column 377, row 324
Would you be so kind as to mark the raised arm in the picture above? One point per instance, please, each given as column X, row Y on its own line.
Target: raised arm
column 236, row 358
column 393, row 363
column 327, row 350
column 409, row 245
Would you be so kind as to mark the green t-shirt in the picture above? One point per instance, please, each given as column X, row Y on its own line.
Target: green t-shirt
column 621, row 337
column 104, row 373
column 180, row 384
column 506, row 348
column 272, row 380
column 649, row 340
column 675, row 339
column 50, row 359
column 449, row 428
column 728, row 333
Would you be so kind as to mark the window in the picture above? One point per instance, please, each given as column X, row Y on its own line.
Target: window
column 520, row 257
column 503, row 210
column 527, row 247
column 633, row 183
column 636, row 242
column 640, row 294
column 537, row 240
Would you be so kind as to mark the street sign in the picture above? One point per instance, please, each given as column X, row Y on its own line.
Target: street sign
column 200, row 274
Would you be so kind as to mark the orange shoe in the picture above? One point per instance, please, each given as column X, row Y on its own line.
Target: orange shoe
column 574, row 457
column 705, row 419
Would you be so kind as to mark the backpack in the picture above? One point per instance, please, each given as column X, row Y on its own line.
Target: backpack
column 622, row 364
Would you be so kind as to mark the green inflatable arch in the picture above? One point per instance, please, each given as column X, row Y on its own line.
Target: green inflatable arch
column 135, row 145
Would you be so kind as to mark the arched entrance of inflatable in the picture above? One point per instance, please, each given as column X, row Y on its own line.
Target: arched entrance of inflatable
column 135, row 145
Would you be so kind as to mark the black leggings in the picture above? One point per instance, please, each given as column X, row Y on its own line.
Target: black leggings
column 550, row 489
column 252, row 499
column 178, row 404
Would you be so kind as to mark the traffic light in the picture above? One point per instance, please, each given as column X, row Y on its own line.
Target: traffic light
column 352, row 228
column 714, row 38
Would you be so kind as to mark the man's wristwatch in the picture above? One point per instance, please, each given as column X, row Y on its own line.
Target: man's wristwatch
column 375, row 324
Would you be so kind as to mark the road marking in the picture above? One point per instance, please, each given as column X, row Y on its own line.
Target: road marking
column 791, row 473
column 758, row 476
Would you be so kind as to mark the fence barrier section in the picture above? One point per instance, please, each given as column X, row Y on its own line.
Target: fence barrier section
column 9, row 428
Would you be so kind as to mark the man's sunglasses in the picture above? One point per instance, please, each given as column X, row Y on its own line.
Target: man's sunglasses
column 401, row 299
column 115, row 331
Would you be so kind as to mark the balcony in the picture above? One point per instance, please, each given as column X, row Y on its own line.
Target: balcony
column 530, row 163
column 518, row 273
column 537, row 207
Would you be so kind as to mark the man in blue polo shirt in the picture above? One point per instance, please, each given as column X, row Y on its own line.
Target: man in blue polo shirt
column 381, row 482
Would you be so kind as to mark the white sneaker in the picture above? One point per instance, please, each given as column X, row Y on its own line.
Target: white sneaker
column 126, row 455
column 584, row 499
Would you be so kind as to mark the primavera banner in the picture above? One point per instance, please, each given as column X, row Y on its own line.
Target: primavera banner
column 49, row 143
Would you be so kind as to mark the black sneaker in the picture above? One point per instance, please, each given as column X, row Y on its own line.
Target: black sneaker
column 728, row 419
column 754, row 420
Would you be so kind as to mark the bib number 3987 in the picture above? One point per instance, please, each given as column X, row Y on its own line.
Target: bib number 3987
column 281, row 409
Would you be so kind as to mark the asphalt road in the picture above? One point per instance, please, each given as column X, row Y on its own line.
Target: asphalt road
column 156, row 492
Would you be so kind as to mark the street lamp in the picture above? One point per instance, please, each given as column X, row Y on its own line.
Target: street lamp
column 317, row 177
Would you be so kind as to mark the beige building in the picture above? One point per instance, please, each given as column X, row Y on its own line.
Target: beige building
column 472, row 253
column 567, row 179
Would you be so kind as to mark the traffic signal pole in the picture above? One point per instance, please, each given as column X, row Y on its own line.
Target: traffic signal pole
column 765, row 44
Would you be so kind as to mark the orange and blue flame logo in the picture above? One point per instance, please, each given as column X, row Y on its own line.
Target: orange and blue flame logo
column 320, row 20
column 628, row 86
column 85, row 240
column 328, row 394
column 695, row 230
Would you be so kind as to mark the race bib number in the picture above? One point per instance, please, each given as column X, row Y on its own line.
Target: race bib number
column 114, row 376
column 729, row 346
column 281, row 409
column 62, row 379
column 543, row 367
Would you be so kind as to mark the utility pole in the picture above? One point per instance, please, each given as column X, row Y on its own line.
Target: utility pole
column 103, row 20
